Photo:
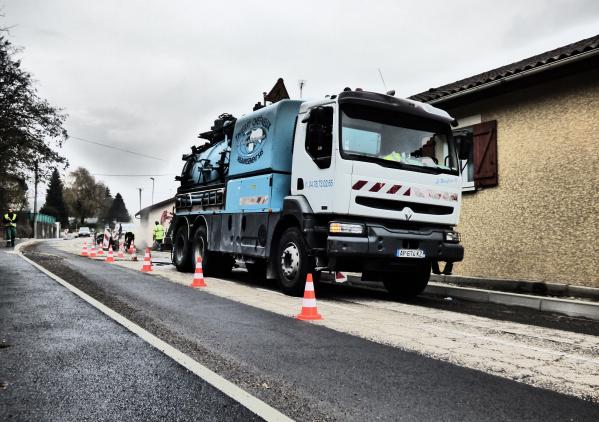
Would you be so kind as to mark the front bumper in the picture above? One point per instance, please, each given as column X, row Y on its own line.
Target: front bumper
column 382, row 242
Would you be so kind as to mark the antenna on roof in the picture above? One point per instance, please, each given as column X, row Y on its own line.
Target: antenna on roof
column 382, row 79
column 388, row 92
column 301, row 83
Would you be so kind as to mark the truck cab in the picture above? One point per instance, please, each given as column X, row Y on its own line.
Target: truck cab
column 360, row 182
column 379, row 179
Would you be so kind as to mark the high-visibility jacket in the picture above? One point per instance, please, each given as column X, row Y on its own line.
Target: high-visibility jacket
column 158, row 232
column 393, row 156
column 10, row 220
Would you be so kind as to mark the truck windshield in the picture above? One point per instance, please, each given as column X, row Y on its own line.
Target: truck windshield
column 397, row 139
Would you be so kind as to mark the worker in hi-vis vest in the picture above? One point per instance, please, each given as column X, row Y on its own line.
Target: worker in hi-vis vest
column 10, row 227
column 158, row 235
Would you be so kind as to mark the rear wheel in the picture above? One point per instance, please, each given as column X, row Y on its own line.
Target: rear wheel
column 409, row 283
column 181, row 250
column 213, row 263
column 292, row 262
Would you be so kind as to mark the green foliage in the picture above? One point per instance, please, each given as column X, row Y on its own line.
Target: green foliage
column 29, row 129
column 107, row 201
column 84, row 196
column 55, row 204
column 118, row 211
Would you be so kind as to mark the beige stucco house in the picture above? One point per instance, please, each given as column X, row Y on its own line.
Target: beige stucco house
column 161, row 211
column 531, row 188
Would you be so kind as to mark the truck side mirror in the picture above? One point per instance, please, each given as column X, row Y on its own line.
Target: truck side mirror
column 464, row 143
column 307, row 116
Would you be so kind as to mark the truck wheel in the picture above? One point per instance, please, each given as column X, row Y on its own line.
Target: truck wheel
column 292, row 262
column 213, row 263
column 410, row 283
column 181, row 250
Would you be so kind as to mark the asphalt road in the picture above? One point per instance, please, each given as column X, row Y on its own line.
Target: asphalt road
column 306, row 371
column 63, row 360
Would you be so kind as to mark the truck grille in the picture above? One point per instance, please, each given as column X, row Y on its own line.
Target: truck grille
column 392, row 205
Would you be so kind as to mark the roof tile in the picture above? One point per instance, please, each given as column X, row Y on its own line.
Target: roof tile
column 557, row 54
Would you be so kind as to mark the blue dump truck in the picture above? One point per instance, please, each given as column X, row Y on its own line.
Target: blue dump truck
column 359, row 182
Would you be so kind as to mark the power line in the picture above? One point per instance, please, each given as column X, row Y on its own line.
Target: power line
column 113, row 147
column 133, row 175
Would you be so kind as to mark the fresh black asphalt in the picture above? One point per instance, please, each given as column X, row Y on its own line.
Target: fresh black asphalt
column 63, row 360
column 308, row 372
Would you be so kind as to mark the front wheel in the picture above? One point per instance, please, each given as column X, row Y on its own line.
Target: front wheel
column 409, row 283
column 292, row 262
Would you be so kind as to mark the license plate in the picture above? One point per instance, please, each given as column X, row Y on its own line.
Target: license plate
column 410, row 253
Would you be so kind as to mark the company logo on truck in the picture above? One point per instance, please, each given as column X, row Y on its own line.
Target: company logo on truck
column 251, row 138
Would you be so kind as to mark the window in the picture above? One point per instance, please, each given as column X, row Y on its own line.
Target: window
column 396, row 140
column 319, row 136
column 480, row 170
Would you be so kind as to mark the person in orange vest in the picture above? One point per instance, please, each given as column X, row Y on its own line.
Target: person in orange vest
column 10, row 226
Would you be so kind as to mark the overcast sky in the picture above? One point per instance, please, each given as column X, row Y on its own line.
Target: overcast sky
column 150, row 75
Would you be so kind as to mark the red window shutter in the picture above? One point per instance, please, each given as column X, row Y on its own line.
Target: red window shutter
column 484, row 154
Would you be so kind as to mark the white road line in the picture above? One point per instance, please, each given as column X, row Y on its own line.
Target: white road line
column 252, row 403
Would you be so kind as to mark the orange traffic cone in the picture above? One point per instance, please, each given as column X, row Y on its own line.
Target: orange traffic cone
column 93, row 251
column 198, row 276
column 147, row 262
column 309, row 311
column 84, row 250
column 110, row 257
column 121, row 254
column 100, row 249
column 132, row 248
column 133, row 252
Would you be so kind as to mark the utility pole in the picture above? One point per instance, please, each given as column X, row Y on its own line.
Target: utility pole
column 36, row 181
column 301, row 83
column 140, row 189
column 152, row 190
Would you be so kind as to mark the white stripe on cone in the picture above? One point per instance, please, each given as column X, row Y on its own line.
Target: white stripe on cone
column 309, row 303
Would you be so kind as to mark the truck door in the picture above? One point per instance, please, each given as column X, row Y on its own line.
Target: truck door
column 314, row 159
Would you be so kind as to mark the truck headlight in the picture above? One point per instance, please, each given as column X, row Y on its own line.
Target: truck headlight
column 346, row 228
column 453, row 237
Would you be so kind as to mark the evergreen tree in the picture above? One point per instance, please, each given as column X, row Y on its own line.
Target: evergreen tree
column 118, row 210
column 107, row 201
column 55, row 204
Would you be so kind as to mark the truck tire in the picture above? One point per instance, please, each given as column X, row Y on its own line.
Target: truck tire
column 213, row 263
column 410, row 283
column 182, row 250
column 292, row 262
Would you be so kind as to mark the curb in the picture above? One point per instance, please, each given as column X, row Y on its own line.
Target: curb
column 573, row 308
column 520, row 286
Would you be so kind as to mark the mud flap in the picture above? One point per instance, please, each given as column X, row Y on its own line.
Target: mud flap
column 446, row 271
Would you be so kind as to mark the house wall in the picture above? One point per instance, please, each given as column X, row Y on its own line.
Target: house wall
column 144, row 234
column 542, row 221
